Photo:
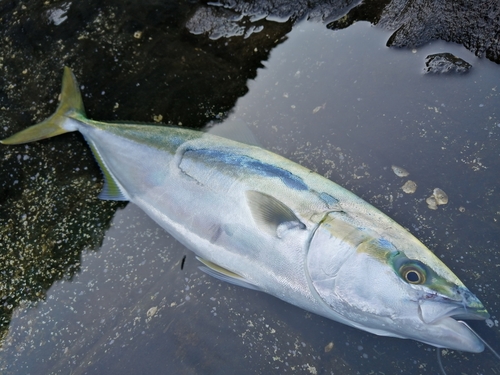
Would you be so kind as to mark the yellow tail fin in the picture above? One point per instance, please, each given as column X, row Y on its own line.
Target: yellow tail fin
column 71, row 104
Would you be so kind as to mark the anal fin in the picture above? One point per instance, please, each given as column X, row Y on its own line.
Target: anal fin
column 223, row 274
column 112, row 189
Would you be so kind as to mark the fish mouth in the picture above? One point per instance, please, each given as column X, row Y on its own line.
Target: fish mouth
column 466, row 305
column 441, row 314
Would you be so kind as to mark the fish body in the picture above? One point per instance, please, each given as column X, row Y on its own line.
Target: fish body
column 261, row 221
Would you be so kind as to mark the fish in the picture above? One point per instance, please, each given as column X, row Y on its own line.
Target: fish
column 258, row 220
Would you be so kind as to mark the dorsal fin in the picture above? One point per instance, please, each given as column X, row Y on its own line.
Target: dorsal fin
column 269, row 213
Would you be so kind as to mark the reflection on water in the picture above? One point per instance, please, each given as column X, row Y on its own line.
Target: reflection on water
column 338, row 102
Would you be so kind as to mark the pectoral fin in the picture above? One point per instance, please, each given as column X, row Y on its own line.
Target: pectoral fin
column 271, row 215
column 223, row 274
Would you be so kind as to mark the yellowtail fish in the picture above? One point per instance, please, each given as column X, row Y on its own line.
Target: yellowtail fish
column 258, row 220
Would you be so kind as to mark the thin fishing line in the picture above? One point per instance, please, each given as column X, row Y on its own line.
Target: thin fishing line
column 438, row 351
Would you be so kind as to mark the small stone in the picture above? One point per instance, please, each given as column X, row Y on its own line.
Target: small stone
column 431, row 203
column 461, row 209
column 329, row 347
column 440, row 196
column 151, row 312
column 400, row 172
column 409, row 187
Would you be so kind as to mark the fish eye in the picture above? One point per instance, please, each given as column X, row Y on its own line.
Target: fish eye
column 412, row 274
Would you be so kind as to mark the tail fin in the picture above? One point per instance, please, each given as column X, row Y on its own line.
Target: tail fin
column 71, row 104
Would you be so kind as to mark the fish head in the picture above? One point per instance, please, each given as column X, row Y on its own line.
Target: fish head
column 390, row 286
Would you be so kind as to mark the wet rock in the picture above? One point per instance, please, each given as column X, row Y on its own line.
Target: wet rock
column 219, row 23
column 282, row 10
column 440, row 63
column 474, row 24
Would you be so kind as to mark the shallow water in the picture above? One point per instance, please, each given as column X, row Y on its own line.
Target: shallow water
column 340, row 103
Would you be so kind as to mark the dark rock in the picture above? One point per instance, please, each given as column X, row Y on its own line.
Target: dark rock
column 474, row 24
column 445, row 63
column 294, row 10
